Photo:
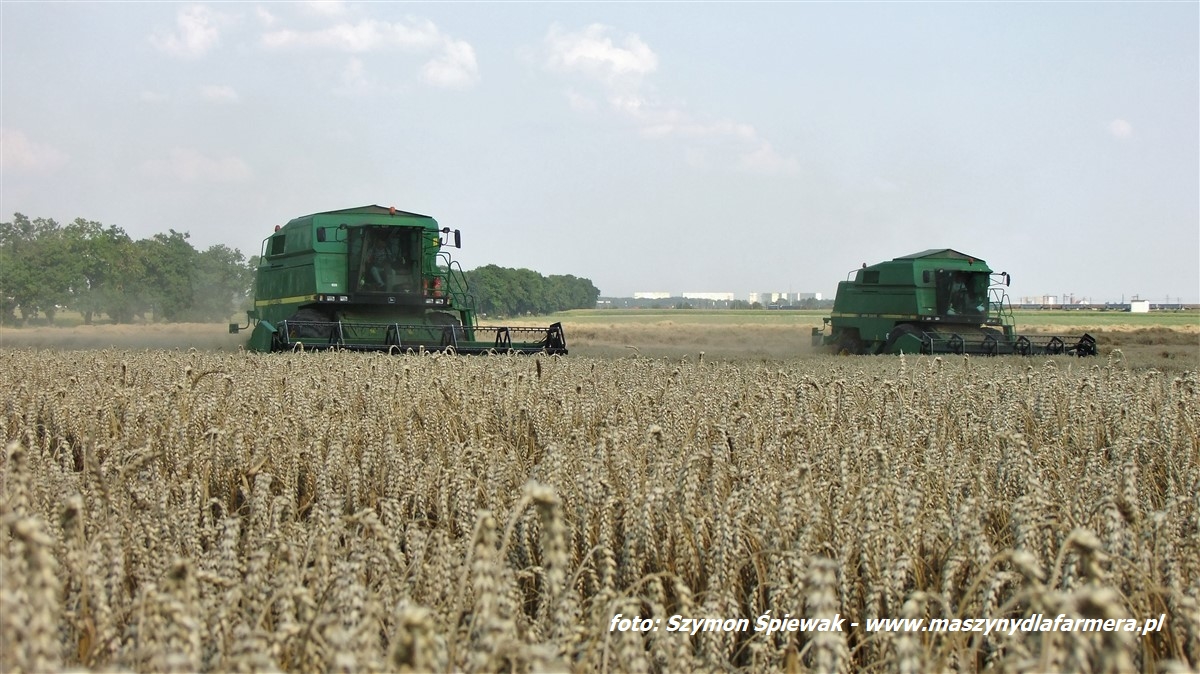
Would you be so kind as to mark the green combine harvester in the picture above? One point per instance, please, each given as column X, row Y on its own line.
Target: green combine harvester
column 935, row 301
column 373, row 279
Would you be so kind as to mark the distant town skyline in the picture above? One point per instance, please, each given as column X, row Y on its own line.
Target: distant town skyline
column 1046, row 298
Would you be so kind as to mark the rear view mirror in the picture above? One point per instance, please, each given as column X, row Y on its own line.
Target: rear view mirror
column 445, row 241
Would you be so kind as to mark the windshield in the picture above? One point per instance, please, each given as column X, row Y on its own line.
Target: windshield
column 383, row 259
column 962, row 293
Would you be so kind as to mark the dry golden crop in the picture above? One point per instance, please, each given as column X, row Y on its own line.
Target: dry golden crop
column 198, row 511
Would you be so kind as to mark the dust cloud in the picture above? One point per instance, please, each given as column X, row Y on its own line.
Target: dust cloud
column 202, row 336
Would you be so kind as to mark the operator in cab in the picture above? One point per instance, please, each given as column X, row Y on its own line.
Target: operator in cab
column 379, row 261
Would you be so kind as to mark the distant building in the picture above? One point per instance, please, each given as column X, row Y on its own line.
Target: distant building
column 771, row 298
column 766, row 298
column 652, row 296
column 715, row 297
column 1137, row 306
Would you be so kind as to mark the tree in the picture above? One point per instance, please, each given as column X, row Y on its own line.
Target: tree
column 170, row 267
column 251, row 271
column 489, row 287
column 529, row 296
column 569, row 292
column 220, row 283
column 507, row 292
column 96, row 269
column 108, row 271
column 35, row 267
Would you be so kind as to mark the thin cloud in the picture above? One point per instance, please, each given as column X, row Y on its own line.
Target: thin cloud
column 364, row 36
column 1120, row 129
column 154, row 97
column 219, row 93
column 453, row 65
column 21, row 155
column 619, row 68
column 454, row 68
column 594, row 53
column 580, row 102
column 196, row 32
column 764, row 159
column 265, row 17
column 325, row 7
column 191, row 166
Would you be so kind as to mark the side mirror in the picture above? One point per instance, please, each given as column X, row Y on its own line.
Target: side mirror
column 233, row 328
column 445, row 241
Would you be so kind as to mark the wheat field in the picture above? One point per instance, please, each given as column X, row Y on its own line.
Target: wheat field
column 192, row 511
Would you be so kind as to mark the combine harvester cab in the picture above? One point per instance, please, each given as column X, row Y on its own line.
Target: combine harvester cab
column 373, row 279
column 935, row 301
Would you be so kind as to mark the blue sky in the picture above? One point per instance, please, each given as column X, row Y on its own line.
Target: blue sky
column 684, row 147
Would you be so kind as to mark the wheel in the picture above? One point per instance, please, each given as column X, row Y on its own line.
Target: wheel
column 899, row 332
column 451, row 326
column 303, row 329
column 849, row 344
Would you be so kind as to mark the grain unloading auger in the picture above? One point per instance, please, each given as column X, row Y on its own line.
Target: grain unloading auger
column 374, row 279
column 935, row 301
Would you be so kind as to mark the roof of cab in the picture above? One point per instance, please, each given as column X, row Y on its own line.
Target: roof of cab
column 939, row 253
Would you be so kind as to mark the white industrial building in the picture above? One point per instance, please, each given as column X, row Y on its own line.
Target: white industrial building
column 782, row 298
column 652, row 296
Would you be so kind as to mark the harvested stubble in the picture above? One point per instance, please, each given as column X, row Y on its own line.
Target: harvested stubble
column 339, row 512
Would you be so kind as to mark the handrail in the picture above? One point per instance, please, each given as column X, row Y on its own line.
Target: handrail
column 456, row 282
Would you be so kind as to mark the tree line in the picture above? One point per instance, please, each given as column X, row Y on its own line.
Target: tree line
column 500, row 291
column 97, row 270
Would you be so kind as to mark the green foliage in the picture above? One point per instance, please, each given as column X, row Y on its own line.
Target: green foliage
column 171, row 260
column 107, row 271
column 500, row 291
column 221, row 279
column 35, row 267
column 94, row 269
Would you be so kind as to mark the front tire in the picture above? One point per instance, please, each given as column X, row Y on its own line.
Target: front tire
column 848, row 344
column 301, row 331
column 900, row 332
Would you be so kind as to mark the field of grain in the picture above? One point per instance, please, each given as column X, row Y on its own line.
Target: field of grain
column 222, row 511
column 1168, row 342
